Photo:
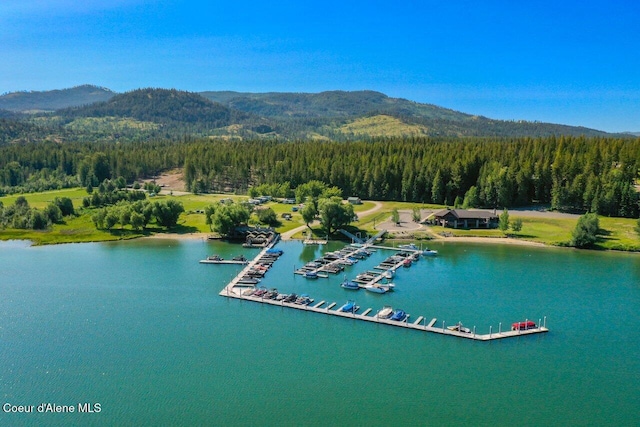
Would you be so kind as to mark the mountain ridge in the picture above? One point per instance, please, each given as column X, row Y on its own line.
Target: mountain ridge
column 337, row 114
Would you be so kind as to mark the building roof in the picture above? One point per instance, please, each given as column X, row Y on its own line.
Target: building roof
column 465, row 214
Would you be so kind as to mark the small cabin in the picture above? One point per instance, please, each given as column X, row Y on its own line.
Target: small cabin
column 354, row 200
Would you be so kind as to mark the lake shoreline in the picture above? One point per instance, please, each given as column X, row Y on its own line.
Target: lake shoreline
column 484, row 240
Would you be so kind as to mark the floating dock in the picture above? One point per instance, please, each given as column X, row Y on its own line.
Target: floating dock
column 235, row 290
column 223, row 261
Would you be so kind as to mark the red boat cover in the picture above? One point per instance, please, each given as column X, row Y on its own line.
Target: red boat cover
column 524, row 325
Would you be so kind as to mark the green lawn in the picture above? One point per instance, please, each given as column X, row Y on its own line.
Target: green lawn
column 41, row 200
column 617, row 233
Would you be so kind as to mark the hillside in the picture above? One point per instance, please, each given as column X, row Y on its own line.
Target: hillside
column 336, row 109
column 145, row 114
column 54, row 99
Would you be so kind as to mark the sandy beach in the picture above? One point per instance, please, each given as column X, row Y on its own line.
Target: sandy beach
column 176, row 236
column 490, row 240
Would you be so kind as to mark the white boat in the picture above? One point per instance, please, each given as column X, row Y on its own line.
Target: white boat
column 379, row 289
column 389, row 274
column 425, row 252
column 410, row 247
column 386, row 312
column 459, row 328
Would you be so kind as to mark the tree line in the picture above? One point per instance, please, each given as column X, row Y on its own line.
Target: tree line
column 575, row 174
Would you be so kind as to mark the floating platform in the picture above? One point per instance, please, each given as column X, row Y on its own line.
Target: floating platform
column 223, row 261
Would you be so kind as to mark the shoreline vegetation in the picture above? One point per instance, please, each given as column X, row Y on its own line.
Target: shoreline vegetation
column 539, row 228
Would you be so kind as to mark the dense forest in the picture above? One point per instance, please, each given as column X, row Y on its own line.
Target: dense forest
column 571, row 174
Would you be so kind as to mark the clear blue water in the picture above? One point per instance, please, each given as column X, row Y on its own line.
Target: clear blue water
column 139, row 327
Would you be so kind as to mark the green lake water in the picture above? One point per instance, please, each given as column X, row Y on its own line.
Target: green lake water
column 139, row 328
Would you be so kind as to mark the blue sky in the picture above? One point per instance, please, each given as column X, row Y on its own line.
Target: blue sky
column 566, row 62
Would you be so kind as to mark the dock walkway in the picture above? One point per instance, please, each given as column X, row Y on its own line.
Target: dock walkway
column 419, row 324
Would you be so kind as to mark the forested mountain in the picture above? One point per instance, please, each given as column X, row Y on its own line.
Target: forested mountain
column 339, row 108
column 145, row 114
column 54, row 99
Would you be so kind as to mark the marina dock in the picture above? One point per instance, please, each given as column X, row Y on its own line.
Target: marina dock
column 235, row 289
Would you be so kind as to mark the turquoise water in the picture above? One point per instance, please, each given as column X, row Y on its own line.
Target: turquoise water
column 139, row 328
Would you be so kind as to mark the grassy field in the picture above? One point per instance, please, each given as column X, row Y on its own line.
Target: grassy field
column 616, row 233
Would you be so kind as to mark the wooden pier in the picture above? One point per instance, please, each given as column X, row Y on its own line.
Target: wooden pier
column 235, row 290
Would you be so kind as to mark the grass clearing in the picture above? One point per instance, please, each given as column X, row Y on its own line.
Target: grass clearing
column 617, row 233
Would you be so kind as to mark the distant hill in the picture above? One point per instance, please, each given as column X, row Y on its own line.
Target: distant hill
column 94, row 113
column 632, row 133
column 54, row 99
column 344, row 106
column 159, row 106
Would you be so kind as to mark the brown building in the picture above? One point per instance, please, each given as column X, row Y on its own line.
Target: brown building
column 461, row 218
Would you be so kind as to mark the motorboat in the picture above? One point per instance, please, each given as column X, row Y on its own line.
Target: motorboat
column 291, row 298
column 239, row 258
column 389, row 274
column 380, row 288
column 271, row 294
column 407, row 263
column 249, row 291
column 248, row 281
column 459, row 328
column 386, row 312
column 215, row 258
column 410, row 246
column 281, row 297
column 303, row 300
column 274, row 251
column 348, row 284
column 429, row 252
column 523, row 326
column 349, row 307
column 311, row 275
column 399, row 315
column 260, row 292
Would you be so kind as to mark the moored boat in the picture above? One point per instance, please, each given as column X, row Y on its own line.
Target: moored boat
column 311, row 275
column 303, row 300
column 386, row 312
column 410, row 246
column 389, row 274
column 459, row 328
column 271, row 294
column 349, row 307
column 379, row 288
column 399, row 315
column 348, row 284
column 260, row 292
column 429, row 252
column 523, row 326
